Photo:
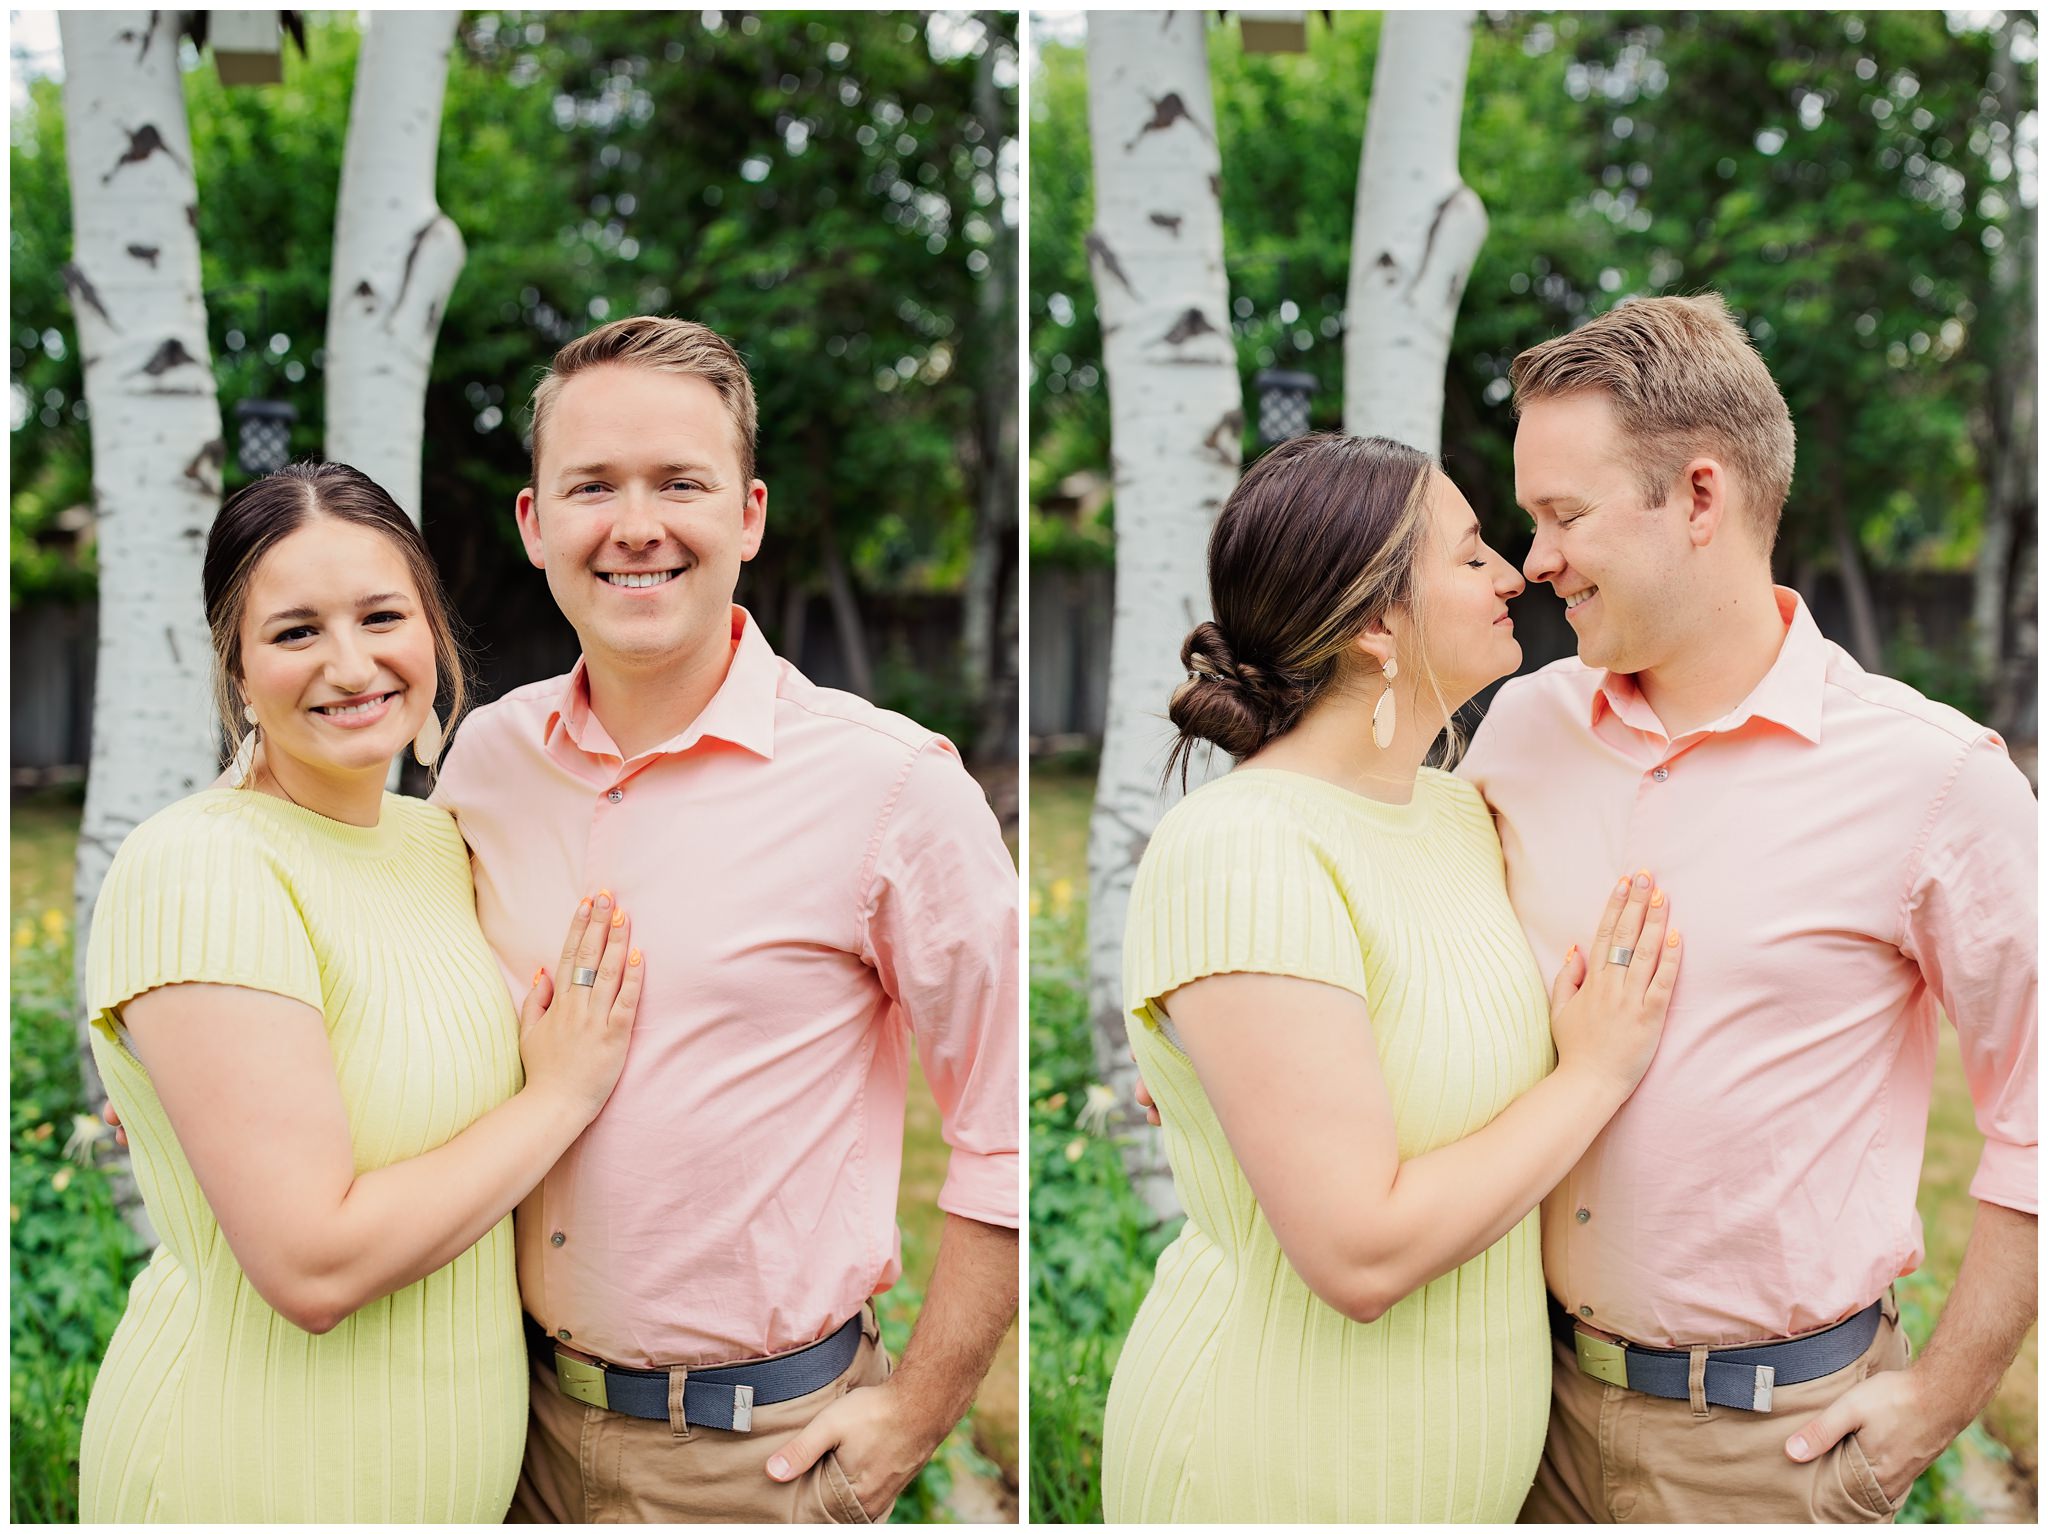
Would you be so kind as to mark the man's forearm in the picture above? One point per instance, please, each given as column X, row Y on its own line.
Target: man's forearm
column 1989, row 1310
column 968, row 1305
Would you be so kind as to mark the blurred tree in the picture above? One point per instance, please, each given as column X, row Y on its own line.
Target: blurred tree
column 396, row 254
column 148, row 381
column 1416, row 229
column 1620, row 154
column 822, row 187
column 1177, row 420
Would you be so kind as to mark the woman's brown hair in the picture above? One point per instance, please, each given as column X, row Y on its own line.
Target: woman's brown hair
column 262, row 515
column 1318, row 539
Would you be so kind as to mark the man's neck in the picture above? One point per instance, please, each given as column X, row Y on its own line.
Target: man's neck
column 640, row 707
column 1720, row 663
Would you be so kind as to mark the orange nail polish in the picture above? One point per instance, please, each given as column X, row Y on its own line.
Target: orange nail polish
column 604, row 898
column 1671, row 941
column 583, row 909
column 538, row 971
column 1571, row 953
column 633, row 957
column 619, row 918
column 1621, row 885
column 1656, row 897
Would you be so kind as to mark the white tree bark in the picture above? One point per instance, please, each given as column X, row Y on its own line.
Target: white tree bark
column 1415, row 231
column 1176, row 420
column 396, row 254
column 156, row 439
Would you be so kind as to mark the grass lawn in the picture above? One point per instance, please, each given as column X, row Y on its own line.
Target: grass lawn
column 41, row 851
column 1060, row 799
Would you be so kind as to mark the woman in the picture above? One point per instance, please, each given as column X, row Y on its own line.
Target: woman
column 319, row 1069
column 1347, row 1034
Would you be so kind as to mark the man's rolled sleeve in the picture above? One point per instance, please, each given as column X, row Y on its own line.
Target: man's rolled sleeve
column 1970, row 924
column 942, row 932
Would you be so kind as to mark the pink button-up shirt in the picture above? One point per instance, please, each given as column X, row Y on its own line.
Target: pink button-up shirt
column 1844, row 859
column 816, row 884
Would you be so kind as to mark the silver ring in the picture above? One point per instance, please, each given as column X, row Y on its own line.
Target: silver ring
column 583, row 977
column 1615, row 955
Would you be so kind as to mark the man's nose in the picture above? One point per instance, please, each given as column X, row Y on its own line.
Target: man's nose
column 636, row 524
column 1541, row 563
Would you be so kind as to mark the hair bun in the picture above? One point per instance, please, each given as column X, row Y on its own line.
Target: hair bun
column 1237, row 704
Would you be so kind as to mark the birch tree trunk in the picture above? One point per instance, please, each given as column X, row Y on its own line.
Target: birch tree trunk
column 396, row 254
column 1176, row 419
column 156, row 439
column 1415, row 231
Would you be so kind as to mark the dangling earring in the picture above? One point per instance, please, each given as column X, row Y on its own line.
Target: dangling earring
column 426, row 746
column 244, row 763
column 1383, row 711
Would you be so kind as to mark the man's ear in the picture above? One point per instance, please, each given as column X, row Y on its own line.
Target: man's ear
column 1703, row 495
column 753, row 520
column 528, row 515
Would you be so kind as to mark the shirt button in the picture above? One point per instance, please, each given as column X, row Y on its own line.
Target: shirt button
column 558, row 1238
column 1584, row 1310
column 1583, row 1216
column 616, row 795
column 1661, row 774
column 564, row 1332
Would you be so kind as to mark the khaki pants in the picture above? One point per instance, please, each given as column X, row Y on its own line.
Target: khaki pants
column 588, row 1465
column 1617, row 1456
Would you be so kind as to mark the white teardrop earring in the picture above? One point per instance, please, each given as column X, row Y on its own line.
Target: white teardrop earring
column 1383, row 711
column 426, row 746
column 244, row 763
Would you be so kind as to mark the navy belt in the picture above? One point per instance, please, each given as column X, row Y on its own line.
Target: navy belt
column 1739, row 1377
column 723, row 1397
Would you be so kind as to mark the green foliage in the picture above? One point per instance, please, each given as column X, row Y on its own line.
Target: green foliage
column 820, row 186
column 1093, row 1243
column 1841, row 177
column 1938, row 1495
column 72, row 1256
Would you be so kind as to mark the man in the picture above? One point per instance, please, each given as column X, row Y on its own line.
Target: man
column 1848, row 861
column 816, row 884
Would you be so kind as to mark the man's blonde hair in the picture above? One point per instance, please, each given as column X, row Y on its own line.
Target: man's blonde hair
column 661, row 344
column 1686, row 382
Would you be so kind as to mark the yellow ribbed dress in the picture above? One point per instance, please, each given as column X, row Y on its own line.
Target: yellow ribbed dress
column 210, row 1406
column 1240, row 1396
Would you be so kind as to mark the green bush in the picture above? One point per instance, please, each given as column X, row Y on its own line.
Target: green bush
column 1093, row 1243
column 72, row 1255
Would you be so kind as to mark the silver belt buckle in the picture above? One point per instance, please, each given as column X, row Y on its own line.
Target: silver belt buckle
column 1766, row 1377
column 743, row 1408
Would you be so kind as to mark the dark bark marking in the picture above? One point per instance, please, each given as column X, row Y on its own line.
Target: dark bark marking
column 1169, row 222
column 1386, row 261
column 412, row 257
column 148, row 35
column 1098, row 250
column 212, row 456
column 147, row 253
column 1226, row 435
column 1166, row 111
column 171, row 639
column 192, row 214
column 1435, row 224
column 171, row 354
column 142, row 143
column 1187, row 327
column 1216, row 186
column 365, row 291
column 83, row 292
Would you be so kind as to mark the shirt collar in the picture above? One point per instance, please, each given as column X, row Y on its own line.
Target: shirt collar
column 1791, row 693
column 741, row 712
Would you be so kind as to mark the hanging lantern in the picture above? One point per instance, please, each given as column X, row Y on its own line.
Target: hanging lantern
column 263, row 429
column 1283, row 403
